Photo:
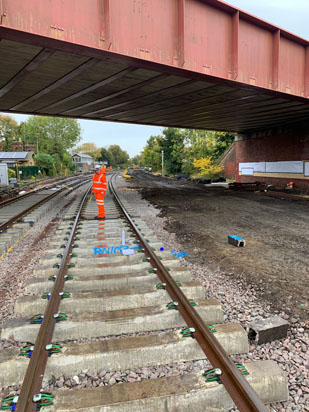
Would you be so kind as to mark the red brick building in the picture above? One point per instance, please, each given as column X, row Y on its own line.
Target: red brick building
column 275, row 156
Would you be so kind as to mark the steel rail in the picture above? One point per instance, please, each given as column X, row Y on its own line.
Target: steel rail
column 5, row 225
column 34, row 191
column 243, row 395
column 35, row 372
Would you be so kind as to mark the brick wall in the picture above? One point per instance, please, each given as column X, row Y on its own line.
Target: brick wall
column 228, row 161
column 281, row 144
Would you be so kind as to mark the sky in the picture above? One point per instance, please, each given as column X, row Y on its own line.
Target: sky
column 290, row 15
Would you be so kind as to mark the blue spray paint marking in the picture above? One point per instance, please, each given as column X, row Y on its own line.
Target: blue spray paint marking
column 178, row 254
column 113, row 249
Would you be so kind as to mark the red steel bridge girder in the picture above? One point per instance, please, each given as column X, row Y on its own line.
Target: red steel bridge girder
column 204, row 36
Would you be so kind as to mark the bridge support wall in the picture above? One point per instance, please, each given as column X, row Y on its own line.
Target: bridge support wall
column 275, row 156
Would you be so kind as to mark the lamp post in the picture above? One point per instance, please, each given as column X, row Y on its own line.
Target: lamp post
column 162, row 153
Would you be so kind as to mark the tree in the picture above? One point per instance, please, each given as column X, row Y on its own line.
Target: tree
column 8, row 132
column 105, row 156
column 118, row 157
column 151, row 154
column 173, row 146
column 54, row 135
column 90, row 149
column 46, row 162
column 207, row 168
column 136, row 161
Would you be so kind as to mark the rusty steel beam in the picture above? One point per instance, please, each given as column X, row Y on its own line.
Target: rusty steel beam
column 181, row 33
column 275, row 57
column 243, row 395
column 105, row 17
column 116, row 94
column 235, row 45
column 181, row 41
column 80, row 69
column 307, row 72
column 27, row 69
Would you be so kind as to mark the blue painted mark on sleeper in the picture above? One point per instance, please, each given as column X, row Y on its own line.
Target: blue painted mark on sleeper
column 113, row 249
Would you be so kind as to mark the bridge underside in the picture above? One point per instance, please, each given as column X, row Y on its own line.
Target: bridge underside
column 49, row 77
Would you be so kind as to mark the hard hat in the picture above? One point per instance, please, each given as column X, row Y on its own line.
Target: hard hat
column 97, row 167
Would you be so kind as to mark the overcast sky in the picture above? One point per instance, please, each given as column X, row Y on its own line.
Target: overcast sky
column 291, row 15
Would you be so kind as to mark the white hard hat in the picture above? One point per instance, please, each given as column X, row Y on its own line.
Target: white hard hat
column 97, row 167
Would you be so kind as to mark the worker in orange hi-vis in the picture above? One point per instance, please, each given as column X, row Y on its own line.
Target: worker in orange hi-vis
column 99, row 187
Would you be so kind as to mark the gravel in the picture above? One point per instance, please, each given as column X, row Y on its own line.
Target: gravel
column 240, row 304
column 239, row 301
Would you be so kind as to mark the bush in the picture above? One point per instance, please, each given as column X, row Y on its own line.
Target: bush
column 11, row 173
column 207, row 168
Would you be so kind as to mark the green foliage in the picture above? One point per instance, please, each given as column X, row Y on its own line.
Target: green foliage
column 181, row 147
column 47, row 163
column 8, row 132
column 90, row 149
column 173, row 147
column 207, row 168
column 105, row 156
column 11, row 172
column 151, row 155
column 118, row 157
column 54, row 135
column 136, row 161
column 202, row 143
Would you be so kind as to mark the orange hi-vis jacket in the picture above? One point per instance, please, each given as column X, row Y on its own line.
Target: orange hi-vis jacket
column 99, row 184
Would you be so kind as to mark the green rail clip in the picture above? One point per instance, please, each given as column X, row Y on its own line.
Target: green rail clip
column 46, row 295
column 213, row 375
column 178, row 283
column 42, row 399
column 68, row 277
column 60, row 317
column 64, row 295
column 172, row 305
column 37, row 319
column 71, row 265
column 161, row 285
column 242, row 369
column 192, row 302
column 9, row 403
column 188, row 333
column 53, row 348
column 26, row 351
column 212, row 328
column 52, row 277
column 60, row 255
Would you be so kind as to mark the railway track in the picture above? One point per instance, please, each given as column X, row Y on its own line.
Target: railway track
column 25, row 210
column 107, row 297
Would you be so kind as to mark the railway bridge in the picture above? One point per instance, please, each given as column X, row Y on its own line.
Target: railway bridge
column 180, row 63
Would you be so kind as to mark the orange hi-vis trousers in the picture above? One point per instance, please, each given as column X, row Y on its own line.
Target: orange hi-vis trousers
column 100, row 202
